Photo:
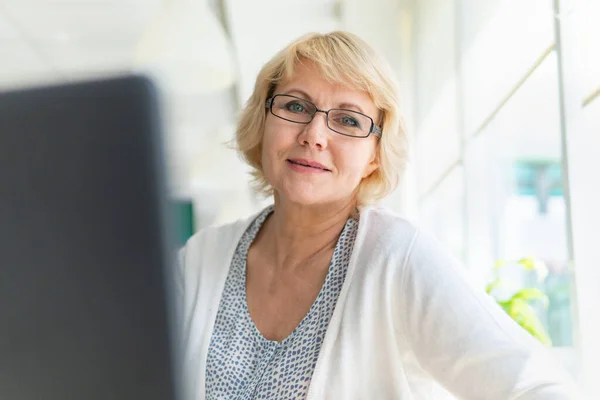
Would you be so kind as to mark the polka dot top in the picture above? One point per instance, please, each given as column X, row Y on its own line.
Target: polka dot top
column 243, row 364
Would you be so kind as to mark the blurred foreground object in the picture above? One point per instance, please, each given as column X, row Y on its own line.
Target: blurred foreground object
column 86, row 244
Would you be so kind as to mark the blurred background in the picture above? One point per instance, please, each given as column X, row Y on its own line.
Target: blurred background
column 501, row 99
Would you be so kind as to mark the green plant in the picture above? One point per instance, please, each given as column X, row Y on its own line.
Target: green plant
column 519, row 304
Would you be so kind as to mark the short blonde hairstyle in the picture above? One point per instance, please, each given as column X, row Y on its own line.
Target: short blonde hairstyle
column 345, row 59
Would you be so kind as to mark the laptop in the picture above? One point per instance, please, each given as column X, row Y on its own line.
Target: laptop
column 86, row 288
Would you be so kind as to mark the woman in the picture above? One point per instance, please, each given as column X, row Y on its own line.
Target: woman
column 323, row 295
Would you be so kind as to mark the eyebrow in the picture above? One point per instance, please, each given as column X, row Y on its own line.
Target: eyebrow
column 300, row 92
column 346, row 106
column 350, row 106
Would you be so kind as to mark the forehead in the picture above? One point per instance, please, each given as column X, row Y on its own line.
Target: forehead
column 308, row 77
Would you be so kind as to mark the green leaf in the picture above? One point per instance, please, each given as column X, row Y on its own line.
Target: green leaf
column 529, row 294
column 528, row 263
column 532, row 264
column 520, row 311
column 500, row 283
column 493, row 285
column 518, row 306
column 505, row 305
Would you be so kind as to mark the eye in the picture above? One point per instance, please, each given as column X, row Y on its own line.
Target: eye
column 295, row 107
column 348, row 121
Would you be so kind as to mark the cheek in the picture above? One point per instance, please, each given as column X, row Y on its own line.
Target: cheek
column 274, row 147
column 354, row 160
column 269, row 146
column 267, row 155
column 277, row 138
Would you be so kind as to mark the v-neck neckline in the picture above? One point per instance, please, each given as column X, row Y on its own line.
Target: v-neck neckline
column 253, row 231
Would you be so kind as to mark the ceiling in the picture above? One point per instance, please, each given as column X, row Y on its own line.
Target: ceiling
column 47, row 40
column 44, row 40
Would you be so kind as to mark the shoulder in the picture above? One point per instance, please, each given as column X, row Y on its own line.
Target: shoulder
column 220, row 235
column 421, row 262
column 210, row 246
column 383, row 220
column 404, row 244
column 388, row 231
column 392, row 227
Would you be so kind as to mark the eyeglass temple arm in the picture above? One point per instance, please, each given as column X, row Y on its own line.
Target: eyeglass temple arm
column 376, row 130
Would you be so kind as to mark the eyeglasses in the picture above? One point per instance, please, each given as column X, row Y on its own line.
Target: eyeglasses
column 300, row 111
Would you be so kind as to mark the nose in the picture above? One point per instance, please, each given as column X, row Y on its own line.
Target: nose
column 315, row 133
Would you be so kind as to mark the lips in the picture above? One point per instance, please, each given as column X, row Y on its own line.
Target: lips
column 308, row 163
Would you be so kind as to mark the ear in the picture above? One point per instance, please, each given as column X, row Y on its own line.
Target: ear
column 372, row 166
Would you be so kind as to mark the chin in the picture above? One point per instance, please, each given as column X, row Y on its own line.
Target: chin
column 309, row 196
column 301, row 194
column 304, row 199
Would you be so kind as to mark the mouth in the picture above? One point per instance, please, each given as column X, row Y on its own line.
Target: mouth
column 306, row 164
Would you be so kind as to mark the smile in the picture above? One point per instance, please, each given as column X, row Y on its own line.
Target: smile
column 314, row 167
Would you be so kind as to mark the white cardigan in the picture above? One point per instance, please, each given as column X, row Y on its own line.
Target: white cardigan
column 407, row 319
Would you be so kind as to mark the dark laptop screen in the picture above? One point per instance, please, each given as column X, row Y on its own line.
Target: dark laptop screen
column 83, row 245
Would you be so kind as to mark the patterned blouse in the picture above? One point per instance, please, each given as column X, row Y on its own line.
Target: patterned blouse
column 241, row 362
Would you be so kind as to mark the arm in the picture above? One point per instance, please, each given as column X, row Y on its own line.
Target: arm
column 465, row 340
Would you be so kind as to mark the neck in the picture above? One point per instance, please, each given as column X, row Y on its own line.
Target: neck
column 298, row 233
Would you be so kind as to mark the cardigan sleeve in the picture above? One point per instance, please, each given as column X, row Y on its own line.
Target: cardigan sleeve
column 464, row 340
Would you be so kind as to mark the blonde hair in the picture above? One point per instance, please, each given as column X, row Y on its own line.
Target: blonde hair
column 345, row 59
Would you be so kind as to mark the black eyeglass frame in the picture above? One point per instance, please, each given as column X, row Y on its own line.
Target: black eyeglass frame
column 375, row 130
